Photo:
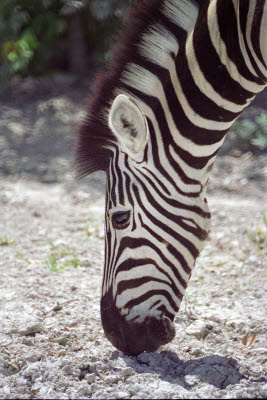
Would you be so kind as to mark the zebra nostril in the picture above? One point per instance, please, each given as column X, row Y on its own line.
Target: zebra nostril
column 162, row 329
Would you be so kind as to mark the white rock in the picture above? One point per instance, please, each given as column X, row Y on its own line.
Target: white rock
column 33, row 327
column 198, row 329
column 90, row 378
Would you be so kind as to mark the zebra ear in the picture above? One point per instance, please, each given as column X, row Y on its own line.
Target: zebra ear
column 128, row 124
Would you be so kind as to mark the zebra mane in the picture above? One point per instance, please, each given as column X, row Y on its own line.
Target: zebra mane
column 95, row 139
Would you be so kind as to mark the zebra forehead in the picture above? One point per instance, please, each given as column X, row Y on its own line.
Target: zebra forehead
column 95, row 139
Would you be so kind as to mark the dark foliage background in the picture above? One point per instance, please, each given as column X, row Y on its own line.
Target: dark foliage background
column 43, row 37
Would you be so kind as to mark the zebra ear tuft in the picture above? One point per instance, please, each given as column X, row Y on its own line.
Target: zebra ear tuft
column 128, row 124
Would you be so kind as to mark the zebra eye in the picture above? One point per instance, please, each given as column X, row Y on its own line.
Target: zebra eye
column 120, row 220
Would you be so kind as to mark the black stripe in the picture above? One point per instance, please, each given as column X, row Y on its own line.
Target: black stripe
column 166, row 312
column 198, row 232
column 175, row 218
column 128, row 188
column 135, row 283
column 160, row 183
column 165, row 173
column 178, row 256
column 134, row 302
column 113, row 180
column 107, row 267
column 135, row 243
column 154, row 304
column 243, row 8
column 199, row 102
column 212, row 68
column 255, row 30
column 179, row 33
column 177, row 204
column 229, row 34
column 110, row 263
column 174, row 203
column 120, row 180
column 131, row 263
column 185, row 242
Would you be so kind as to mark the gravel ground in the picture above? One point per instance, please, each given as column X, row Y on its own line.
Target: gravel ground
column 51, row 259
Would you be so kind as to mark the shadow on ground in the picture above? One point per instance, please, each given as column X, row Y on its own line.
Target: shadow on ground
column 215, row 370
column 38, row 123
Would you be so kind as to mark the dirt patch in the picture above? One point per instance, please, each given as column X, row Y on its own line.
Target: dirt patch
column 51, row 245
column 52, row 343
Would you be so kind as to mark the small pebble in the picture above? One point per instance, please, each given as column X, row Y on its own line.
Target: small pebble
column 127, row 371
column 32, row 328
column 90, row 378
column 198, row 329
column 27, row 342
column 63, row 340
column 67, row 370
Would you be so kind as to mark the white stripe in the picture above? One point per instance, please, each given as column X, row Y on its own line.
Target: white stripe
column 148, row 252
column 157, row 44
column 183, row 13
column 142, row 271
column 134, row 293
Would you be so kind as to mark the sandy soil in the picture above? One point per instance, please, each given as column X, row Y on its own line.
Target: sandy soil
column 51, row 259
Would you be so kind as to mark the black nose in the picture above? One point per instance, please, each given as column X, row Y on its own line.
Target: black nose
column 134, row 338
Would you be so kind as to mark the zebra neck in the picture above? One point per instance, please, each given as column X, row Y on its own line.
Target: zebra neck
column 192, row 76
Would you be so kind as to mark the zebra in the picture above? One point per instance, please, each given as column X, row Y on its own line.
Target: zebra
column 181, row 73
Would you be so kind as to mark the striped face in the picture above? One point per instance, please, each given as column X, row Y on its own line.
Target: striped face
column 154, row 233
column 177, row 82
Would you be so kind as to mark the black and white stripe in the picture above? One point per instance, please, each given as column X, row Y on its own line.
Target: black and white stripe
column 191, row 67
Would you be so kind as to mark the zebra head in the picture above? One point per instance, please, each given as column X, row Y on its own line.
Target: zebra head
column 175, row 84
column 153, row 235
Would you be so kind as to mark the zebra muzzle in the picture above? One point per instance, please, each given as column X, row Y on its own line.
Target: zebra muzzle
column 134, row 338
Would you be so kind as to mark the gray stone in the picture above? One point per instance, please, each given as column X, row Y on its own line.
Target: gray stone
column 67, row 370
column 127, row 372
column 63, row 340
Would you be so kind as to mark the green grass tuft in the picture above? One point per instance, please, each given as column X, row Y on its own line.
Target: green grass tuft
column 258, row 236
column 5, row 241
column 61, row 258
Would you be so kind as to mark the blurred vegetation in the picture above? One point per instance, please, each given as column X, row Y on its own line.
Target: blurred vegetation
column 250, row 134
column 40, row 36
column 258, row 236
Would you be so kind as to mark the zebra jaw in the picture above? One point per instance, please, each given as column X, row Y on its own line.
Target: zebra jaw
column 129, row 125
